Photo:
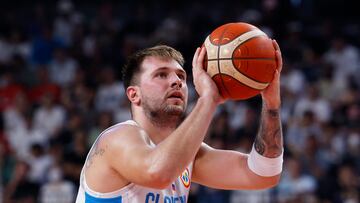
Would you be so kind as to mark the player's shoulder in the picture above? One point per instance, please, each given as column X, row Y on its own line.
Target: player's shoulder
column 122, row 134
column 121, row 130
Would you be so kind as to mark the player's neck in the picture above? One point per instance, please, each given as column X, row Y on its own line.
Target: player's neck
column 156, row 133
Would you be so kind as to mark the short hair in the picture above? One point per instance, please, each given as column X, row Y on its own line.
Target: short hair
column 133, row 64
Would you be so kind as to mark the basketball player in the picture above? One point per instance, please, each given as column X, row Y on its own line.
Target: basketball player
column 154, row 157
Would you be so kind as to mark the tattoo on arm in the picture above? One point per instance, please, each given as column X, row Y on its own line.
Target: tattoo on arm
column 94, row 152
column 269, row 141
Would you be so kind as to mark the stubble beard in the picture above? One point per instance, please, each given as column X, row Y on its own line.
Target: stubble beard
column 163, row 115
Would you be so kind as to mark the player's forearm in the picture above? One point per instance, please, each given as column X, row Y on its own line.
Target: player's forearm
column 179, row 149
column 269, row 141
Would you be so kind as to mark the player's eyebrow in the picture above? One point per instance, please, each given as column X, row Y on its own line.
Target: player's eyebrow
column 182, row 71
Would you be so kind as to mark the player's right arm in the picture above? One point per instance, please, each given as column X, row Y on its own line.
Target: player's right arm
column 158, row 166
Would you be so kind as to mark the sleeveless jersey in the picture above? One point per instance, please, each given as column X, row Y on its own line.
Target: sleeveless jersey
column 177, row 192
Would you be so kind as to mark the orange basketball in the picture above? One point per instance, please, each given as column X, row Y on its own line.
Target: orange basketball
column 240, row 58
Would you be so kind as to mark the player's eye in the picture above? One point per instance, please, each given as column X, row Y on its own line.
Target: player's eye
column 161, row 75
column 181, row 76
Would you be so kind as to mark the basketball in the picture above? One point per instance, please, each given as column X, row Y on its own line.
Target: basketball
column 240, row 58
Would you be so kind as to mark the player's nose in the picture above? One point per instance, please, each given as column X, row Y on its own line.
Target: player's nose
column 175, row 81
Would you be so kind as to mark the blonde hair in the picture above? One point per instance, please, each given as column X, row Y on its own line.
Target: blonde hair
column 132, row 67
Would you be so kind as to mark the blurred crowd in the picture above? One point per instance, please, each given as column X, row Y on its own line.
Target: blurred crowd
column 60, row 86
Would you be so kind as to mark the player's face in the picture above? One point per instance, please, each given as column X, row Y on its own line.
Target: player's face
column 163, row 87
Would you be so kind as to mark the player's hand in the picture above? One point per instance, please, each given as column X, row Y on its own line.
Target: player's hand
column 204, row 85
column 271, row 95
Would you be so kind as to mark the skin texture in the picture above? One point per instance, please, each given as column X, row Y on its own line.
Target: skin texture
column 269, row 141
column 124, row 154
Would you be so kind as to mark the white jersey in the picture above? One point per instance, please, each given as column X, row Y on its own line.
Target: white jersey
column 177, row 192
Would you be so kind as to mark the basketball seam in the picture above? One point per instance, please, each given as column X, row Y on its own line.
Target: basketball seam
column 238, row 81
column 247, row 59
column 218, row 56
column 222, row 34
column 226, row 42
column 250, row 77
column 228, row 68
column 232, row 60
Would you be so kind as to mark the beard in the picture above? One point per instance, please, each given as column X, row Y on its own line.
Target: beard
column 163, row 114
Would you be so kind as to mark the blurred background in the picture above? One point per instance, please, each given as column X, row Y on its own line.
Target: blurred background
column 60, row 86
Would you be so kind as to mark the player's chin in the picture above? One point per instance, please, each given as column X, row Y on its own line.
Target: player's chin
column 176, row 102
column 173, row 109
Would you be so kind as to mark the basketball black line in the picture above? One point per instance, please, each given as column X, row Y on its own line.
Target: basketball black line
column 231, row 40
column 244, row 58
column 256, row 80
column 218, row 56
column 238, row 36
column 247, row 65
column 237, row 58
column 238, row 47
column 247, row 61
column 239, row 81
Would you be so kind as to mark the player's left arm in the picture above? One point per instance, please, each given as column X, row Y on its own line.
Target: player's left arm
column 225, row 169
column 261, row 168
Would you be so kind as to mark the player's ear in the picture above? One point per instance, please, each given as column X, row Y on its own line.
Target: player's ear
column 133, row 93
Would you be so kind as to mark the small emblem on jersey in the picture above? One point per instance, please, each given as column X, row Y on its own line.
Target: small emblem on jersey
column 173, row 187
column 185, row 178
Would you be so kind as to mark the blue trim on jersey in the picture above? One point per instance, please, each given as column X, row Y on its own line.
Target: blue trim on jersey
column 91, row 199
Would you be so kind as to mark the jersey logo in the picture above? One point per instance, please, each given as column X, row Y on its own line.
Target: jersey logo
column 185, row 178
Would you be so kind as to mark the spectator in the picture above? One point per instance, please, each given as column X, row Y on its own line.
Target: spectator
column 43, row 46
column 22, row 138
column 15, row 44
column 14, row 116
column 75, row 156
column 40, row 163
column 345, row 59
column 299, row 130
column 49, row 117
column 253, row 196
column 20, row 189
column 57, row 190
column 109, row 94
column 9, row 89
column 62, row 68
column 43, row 86
column 64, row 24
column 296, row 186
column 314, row 103
column 104, row 121
column 349, row 184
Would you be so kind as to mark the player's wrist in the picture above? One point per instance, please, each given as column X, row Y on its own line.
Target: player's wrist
column 208, row 100
column 271, row 104
column 264, row 166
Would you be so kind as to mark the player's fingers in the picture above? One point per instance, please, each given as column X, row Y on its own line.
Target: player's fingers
column 278, row 55
column 276, row 75
column 196, row 55
column 276, row 45
column 200, row 59
column 279, row 60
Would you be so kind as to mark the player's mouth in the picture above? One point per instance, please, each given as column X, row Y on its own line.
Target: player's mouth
column 176, row 95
